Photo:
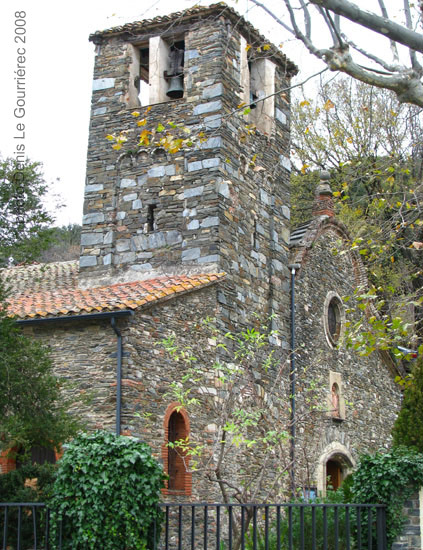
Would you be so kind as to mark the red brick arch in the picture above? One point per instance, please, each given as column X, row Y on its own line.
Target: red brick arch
column 182, row 480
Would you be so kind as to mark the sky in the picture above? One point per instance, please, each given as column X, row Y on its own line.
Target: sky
column 45, row 44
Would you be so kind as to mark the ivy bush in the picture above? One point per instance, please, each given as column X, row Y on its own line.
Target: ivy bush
column 388, row 478
column 106, row 491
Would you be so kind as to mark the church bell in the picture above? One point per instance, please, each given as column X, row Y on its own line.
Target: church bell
column 175, row 74
column 176, row 87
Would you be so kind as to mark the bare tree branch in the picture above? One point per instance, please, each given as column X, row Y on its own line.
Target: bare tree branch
column 391, row 68
column 374, row 22
column 273, row 16
column 415, row 64
column 393, row 44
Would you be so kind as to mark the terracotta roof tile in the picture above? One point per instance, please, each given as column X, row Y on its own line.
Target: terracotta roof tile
column 49, row 290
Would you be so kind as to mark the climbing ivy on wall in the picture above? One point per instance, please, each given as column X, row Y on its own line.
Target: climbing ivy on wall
column 107, row 489
column 388, row 478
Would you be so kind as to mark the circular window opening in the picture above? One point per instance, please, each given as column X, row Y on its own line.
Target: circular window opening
column 334, row 318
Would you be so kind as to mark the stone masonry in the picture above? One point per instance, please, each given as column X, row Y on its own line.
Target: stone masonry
column 411, row 536
column 214, row 209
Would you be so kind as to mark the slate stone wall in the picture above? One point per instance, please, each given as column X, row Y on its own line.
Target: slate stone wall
column 369, row 393
column 222, row 206
column 410, row 538
column 84, row 355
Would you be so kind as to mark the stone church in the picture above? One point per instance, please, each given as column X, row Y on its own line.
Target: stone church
column 171, row 238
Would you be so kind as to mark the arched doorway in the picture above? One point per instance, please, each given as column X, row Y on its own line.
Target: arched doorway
column 335, row 463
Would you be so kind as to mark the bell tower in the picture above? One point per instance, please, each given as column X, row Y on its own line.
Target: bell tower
column 220, row 205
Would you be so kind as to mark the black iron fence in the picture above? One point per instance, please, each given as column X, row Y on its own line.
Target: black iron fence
column 291, row 526
column 27, row 526
column 205, row 526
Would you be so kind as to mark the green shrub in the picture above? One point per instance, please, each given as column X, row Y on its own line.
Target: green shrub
column 388, row 478
column 106, row 491
column 408, row 427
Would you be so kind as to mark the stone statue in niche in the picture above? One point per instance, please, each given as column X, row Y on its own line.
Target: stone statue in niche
column 335, row 401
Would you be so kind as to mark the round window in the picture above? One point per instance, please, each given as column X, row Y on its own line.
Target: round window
column 334, row 318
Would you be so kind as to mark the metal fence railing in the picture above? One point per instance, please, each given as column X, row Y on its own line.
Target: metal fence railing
column 290, row 526
column 206, row 526
column 26, row 525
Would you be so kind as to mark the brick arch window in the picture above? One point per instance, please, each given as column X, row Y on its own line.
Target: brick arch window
column 176, row 427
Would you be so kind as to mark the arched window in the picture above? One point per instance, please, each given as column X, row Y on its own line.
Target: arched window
column 333, row 319
column 176, row 455
column 175, row 461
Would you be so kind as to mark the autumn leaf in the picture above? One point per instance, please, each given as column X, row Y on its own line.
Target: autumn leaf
column 350, row 139
column 241, row 105
column 117, row 146
column 110, row 137
column 304, row 168
column 142, row 122
column 248, row 47
column 160, row 127
column 304, row 103
column 135, row 113
column 329, row 105
column 266, row 47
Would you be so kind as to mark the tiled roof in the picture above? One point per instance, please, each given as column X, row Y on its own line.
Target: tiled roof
column 50, row 290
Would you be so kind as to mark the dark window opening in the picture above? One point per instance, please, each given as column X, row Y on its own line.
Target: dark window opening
column 144, row 64
column 255, row 237
column 253, row 94
column 143, row 83
column 176, row 465
column 37, row 455
column 151, row 221
column 334, row 319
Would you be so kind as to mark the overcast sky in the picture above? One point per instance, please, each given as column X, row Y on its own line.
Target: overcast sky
column 58, row 64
